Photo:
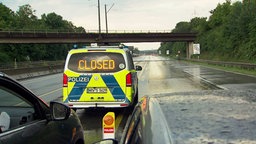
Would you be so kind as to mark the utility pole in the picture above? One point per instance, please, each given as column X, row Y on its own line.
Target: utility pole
column 106, row 16
column 99, row 16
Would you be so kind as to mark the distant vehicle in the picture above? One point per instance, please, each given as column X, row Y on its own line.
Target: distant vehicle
column 100, row 77
column 25, row 118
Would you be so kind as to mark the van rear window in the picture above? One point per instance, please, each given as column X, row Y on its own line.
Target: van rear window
column 96, row 62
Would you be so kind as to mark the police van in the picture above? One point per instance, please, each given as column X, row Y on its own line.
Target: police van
column 100, row 77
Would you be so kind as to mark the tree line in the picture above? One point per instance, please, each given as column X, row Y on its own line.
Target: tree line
column 229, row 34
column 25, row 19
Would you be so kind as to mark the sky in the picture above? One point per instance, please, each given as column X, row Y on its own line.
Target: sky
column 123, row 15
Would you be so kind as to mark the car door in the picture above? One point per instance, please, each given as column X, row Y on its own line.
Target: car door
column 26, row 113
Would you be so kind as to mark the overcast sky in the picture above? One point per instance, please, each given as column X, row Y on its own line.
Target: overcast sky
column 125, row 15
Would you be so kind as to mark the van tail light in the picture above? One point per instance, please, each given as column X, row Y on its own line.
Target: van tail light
column 65, row 80
column 129, row 80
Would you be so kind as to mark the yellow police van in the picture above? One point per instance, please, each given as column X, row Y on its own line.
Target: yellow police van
column 100, row 77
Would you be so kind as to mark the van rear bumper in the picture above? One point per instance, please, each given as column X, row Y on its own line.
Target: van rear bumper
column 79, row 105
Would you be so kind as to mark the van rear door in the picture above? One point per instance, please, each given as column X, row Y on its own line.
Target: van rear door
column 101, row 76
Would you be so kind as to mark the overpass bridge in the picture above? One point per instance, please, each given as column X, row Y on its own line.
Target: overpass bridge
column 35, row 37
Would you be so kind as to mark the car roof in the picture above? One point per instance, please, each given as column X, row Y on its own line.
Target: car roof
column 100, row 48
column 5, row 76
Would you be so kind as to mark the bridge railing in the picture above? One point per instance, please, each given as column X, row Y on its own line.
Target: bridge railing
column 81, row 31
column 130, row 31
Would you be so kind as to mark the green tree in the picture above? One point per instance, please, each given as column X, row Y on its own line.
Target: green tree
column 6, row 17
column 52, row 21
column 25, row 18
column 182, row 27
column 228, row 34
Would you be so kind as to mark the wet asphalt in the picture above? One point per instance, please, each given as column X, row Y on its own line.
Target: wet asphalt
column 201, row 105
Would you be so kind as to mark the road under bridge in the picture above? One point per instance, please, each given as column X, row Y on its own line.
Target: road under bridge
column 19, row 37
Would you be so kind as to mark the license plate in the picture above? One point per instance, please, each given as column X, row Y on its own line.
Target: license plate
column 96, row 90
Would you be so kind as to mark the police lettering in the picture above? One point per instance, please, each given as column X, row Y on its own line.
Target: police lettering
column 96, row 65
column 78, row 79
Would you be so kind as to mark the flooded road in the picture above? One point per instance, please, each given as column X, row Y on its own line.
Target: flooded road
column 159, row 76
column 166, row 76
column 203, row 105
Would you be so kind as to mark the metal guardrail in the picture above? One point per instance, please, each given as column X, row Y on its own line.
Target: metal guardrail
column 29, row 64
column 25, row 70
column 247, row 66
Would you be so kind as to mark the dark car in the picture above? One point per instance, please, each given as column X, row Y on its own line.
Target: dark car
column 25, row 118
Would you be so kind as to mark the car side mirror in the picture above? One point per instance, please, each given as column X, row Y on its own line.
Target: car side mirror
column 138, row 68
column 59, row 111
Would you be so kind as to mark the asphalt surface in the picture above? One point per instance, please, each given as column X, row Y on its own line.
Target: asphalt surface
column 201, row 105
column 48, row 87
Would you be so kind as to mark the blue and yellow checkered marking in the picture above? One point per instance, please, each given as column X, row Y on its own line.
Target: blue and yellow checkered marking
column 78, row 90
column 110, row 81
column 81, row 83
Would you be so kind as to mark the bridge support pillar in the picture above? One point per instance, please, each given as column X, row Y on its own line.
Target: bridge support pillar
column 189, row 49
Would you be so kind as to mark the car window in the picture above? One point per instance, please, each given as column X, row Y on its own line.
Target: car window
column 18, row 110
column 96, row 62
column 130, row 60
column 9, row 98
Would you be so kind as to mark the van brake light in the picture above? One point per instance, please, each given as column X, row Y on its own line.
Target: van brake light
column 65, row 80
column 129, row 79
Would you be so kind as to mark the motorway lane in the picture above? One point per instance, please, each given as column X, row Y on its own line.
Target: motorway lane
column 163, row 76
column 159, row 75
column 47, row 87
